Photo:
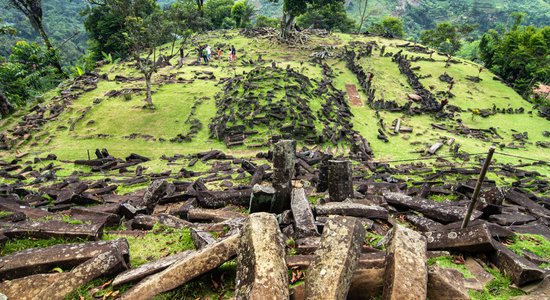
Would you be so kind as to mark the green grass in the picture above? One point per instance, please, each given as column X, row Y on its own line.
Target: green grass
column 15, row 245
column 497, row 289
column 448, row 262
column 372, row 239
column 159, row 242
column 531, row 242
column 4, row 214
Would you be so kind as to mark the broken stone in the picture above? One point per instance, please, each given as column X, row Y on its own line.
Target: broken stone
column 218, row 199
column 304, row 222
column 340, row 186
column 48, row 229
column 511, row 219
column 57, row 286
column 470, row 239
column 261, row 198
column 261, row 267
column 212, row 215
column 284, row 159
column 443, row 213
column 406, row 274
column 478, row 271
column 185, row 269
column 352, row 210
column 147, row 269
column 518, row 268
column 329, row 276
column 445, row 284
column 42, row 260
column 201, row 238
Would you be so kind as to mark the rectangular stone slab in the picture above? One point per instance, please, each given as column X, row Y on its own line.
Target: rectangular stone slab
column 440, row 212
column 304, row 222
column 329, row 276
column 470, row 239
column 185, row 270
column 147, row 269
column 42, row 260
column 406, row 274
column 352, row 210
column 261, row 267
column 518, row 268
column 218, row 199
column 58, row 285
column 214, row 215
column 48, row 229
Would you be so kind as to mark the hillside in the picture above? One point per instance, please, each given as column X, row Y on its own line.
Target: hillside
column 190, row 93
column 167, row 197
column 63, row 19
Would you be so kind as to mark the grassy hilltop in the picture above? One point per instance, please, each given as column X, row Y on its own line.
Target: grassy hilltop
column 121, row 125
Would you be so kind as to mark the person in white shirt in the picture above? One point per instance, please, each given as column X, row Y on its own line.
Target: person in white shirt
column 208, row 52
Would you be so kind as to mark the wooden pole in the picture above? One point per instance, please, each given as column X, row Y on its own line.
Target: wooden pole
column 478, row 187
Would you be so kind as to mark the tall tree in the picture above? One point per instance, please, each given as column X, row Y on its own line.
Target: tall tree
column 106, row 24
column 445, row 37
column 329, row 16
column 389, row 26
column 32, row 9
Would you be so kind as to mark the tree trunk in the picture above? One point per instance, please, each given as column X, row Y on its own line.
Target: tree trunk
column 286, row 24
column 5, row 106
column 55, row 61
column 148, row 98
column 363, row 15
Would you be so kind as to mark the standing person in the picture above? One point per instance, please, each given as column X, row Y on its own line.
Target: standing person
column 205, row 55
column 199, row 54
column 234, row 53
column 230, row 55
column 208, row 52
column 220, row 53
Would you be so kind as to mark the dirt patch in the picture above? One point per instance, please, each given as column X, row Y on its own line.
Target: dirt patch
column 354, row 98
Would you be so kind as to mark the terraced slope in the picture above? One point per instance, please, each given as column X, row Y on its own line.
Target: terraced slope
column 303, row 97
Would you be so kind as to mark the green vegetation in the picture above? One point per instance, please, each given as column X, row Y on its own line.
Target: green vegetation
column 19, row 244
column 531, row 242
column 388, row 26
column 519, row 56
column 373, row 239
column 498, row 289
column 445, row 37
column 159, row 242
column 450, row 262
column 4, row 214
column 330, row 16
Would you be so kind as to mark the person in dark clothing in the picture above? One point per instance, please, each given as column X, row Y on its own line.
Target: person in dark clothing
column 233, row 53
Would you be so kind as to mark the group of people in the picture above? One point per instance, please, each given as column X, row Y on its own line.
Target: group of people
column 205, row 53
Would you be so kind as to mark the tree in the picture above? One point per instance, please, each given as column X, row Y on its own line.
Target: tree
column 32, row 9
column 5, row 29
column 143, row 36
column 445, row 37
column 263, row 21
column 363, row 4
column 106, row 24
column 27, row 72
column 242, row 11
column 185, row 15
column 327, row 16
column 389, row 26
column 217, row 11
column 521, row 56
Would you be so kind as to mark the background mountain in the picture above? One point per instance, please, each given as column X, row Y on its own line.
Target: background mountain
column 64, row 21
